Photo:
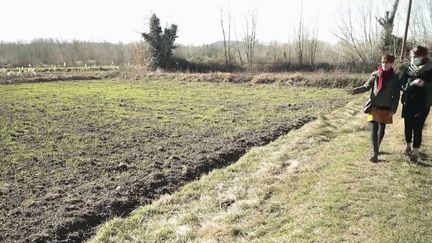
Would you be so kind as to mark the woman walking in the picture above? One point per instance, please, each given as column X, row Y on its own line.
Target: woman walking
column 383, row 103
column 416, row 83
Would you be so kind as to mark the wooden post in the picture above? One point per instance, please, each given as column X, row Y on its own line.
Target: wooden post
column 406, row 31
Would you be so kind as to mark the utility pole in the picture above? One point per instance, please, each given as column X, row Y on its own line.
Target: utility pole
column 406, row 30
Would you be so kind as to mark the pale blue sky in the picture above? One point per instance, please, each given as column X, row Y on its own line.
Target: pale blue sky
column 198, row 20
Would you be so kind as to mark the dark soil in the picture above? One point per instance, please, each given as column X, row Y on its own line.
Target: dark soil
column 83, row 164
column 60, row 218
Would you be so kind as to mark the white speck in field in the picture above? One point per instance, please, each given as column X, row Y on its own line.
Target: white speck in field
column 182, row 230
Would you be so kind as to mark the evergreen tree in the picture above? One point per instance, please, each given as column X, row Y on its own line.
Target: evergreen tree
column 161, row 43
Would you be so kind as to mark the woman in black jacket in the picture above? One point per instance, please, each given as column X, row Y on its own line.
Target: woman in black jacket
column 416, row 83
column 384, row 99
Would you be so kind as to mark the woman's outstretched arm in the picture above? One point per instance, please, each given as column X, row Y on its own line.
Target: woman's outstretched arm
column 365, row 87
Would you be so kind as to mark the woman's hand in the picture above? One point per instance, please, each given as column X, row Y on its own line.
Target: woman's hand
column 350, row 91
column 418, row 82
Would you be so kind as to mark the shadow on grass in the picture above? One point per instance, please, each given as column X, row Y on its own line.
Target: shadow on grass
column 424, row 160
column 383, row 153
column 380, row 161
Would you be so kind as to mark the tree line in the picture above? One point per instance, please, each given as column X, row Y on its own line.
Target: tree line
column 363, row 35
column 48, row 52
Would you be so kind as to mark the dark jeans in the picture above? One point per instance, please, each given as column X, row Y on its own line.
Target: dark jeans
column 414, row 124
column 377, row 135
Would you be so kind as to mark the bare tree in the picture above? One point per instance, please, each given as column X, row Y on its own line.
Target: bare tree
column 250, row 39
column 389, row 42
column 142, row 55
column 238, row 46
column 300, row 34
column 358, row 34
column 289, row 52
column 313, row 45
column 421, row 23
column 225, row 42
column 429, row 23
column 429, row 4
column 229, row 37
column 273, row 51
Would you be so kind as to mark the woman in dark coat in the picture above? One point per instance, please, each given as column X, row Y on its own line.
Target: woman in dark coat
column 416, row 82
column 384, row 100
